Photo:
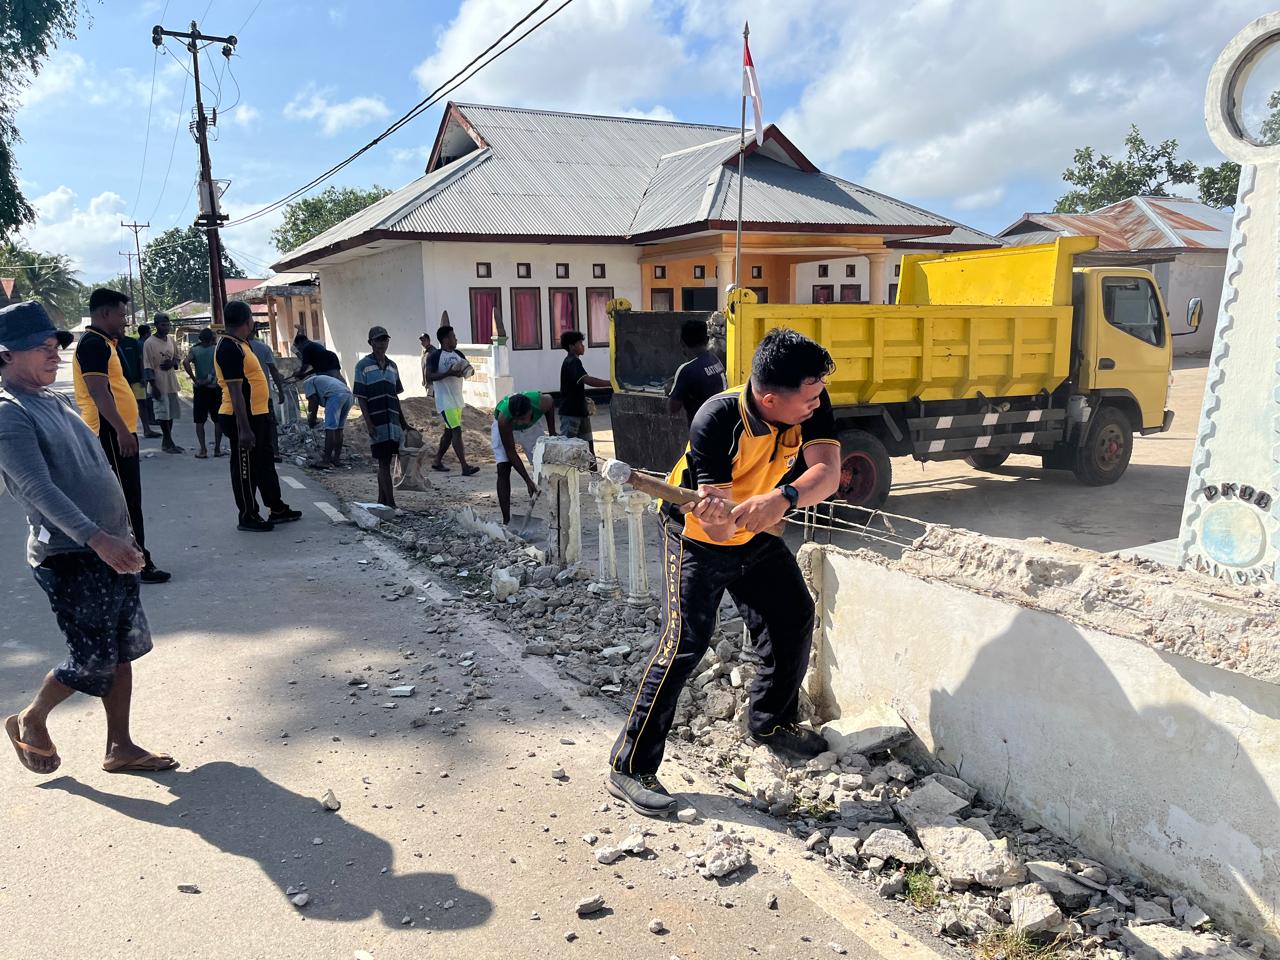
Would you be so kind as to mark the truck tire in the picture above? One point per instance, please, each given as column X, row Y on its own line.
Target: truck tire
column 866, row 472
column 986, row 461
column 1108, row 445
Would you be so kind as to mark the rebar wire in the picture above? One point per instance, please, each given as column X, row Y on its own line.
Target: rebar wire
column 826, row 518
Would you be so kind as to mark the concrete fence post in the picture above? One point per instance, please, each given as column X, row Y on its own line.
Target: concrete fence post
column 606, row 495
column 636, row 503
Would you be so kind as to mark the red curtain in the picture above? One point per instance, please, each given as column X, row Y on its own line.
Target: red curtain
column 597, row 316
column 484, row 304
column 526, row 311
column 564, row 313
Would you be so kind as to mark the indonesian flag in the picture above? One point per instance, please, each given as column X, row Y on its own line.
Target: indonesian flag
column 751, row 88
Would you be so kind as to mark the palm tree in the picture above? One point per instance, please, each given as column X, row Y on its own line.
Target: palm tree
column 48, row 278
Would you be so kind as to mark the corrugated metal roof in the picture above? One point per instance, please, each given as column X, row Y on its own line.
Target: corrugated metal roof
column 1138, row 223
column 540, row 173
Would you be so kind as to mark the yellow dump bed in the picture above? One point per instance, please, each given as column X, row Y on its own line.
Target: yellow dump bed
column 996, row 322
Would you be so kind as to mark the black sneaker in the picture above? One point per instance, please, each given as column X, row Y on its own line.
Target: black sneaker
column 255, row 525
column 645, row 794
column 284, row 516
column 791, row 741
column 153, row 574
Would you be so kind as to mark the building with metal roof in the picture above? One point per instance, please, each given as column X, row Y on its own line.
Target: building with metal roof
column 1182, row 241
column 525, row 223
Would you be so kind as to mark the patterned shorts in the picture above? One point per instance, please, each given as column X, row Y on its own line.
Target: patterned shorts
column 101, row 616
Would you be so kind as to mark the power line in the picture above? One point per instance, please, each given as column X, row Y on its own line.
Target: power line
column 182, row 102
column 146, row 142
column 421, row 107
column 249, row 17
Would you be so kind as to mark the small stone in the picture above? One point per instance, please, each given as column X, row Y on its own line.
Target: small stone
column 893, row 886
column 1033, row 910
column 899, row 771
column 589, row 839
column 301, row 900
column 687, row 815
column 656, row 926
column 608, row 855
column 589, row 905
column 402, row 691
column 837, row 948
column 558, row 773
column 317, row 841
column 1148, row 911
column 188, row 888
column 570, row 936
column 1158, row 942
column 330, row 801
column 893, row 845
column 568, row 741
column 1118, row 895
column 771, row 901
column 634, row 844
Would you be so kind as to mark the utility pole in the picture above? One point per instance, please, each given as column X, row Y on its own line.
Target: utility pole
column 142, row 280
column 209, row 217
column 128, row 257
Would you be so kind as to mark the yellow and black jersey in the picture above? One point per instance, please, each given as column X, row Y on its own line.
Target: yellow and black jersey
column 731, row 446
column 238, row 368
column 97, row 356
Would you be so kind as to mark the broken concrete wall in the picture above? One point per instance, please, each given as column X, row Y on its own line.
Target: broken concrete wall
column 1157, row 764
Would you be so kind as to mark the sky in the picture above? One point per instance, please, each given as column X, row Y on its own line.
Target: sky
column 969, row 108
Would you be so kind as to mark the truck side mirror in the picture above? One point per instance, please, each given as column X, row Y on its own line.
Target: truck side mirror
column 1194, row 310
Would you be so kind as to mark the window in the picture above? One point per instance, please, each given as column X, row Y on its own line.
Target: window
column 563, row 305
column 822, row 270
column 662, row 299
column 850, row 293
column 562, row 271
column 893, row 293
column 659, row 272
column 486, row 313
column 484, row 271
column 699, row 272
column 762, row 294
column 850, row 269
column 823, row 293
column 757, row 272
column 524, row 271
column 315, row 324
column 897, row 269
column 1129, row 304
column 597, row 271
column 526, row 318
column 598, row 316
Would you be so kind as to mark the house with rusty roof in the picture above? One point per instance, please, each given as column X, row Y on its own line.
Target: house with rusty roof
column 1182, row 241
column 526, row 223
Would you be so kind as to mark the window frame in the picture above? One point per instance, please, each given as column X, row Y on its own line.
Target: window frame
column 699, row 272
column 598, row 271
column 813, row 294
column 562, row 271
column 824, row 271
column 857, row 291
column 484, row 270
column 1152, row 300
column 587, row 300
column 660, row 271
column 551, row 314
column 524, row 271
column 671, row 294
column 537, row 303
column 850, row 270
column 757, row 272
column 762, row 294
column 471, row 305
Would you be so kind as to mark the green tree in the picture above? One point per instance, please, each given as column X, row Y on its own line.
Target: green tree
column 1146, row 170
column 176, row 264
column 314, row 215
column 47, row 277
column 1219, row 185
column 29, row 29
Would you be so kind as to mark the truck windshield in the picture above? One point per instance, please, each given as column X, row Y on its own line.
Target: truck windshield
column 1130, row 304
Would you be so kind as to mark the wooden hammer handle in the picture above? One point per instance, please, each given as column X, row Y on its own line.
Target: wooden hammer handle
column 681, row 496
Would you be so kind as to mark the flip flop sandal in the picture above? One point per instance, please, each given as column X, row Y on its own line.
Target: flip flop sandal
column 12, row 729
column 148, row 763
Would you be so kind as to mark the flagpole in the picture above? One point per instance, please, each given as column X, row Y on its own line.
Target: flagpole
column 742, row 154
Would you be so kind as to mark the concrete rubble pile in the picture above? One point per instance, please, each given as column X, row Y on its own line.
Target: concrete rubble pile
column 925, row 837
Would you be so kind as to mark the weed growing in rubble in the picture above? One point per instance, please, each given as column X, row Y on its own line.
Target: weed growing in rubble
column 812, row 809
column 1008, row 944
column 920, row 890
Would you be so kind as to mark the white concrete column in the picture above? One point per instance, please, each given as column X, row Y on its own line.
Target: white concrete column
column 793, row 285
column 724, row 266
column 636, row 503
column 877, row 288
column 606, row 495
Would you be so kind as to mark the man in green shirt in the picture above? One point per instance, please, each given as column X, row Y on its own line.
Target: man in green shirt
column 206, row 394
column 518, row 419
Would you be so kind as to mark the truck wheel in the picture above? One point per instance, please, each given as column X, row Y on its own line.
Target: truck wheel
column 1104, row 455
column 866, row 472
column 986, row 461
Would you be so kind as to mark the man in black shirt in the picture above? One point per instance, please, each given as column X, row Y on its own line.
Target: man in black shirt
column 701, row 378
column 575, row 418
column 316, row 358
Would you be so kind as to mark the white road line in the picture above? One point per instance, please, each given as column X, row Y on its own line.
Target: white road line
column 293, row 482
column 330, row 511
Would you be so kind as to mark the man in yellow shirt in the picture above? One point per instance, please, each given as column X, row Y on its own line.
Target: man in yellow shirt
column 109, row 407
column 245, row 423
column 768, row 446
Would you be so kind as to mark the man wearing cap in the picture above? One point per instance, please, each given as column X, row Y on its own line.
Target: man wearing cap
column 244, row 421
column 206, row 395
column 377, row 389
column 110, row 409
column 160, row 357
column 79, row 545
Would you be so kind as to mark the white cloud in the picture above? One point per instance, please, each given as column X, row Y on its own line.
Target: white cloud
column 980, row 200
column 245, row 115
column 59, row 76
column 89, row 235
column 68, row 80
column 250, row 244
column 411, row 156
column 314, row 104
column 598, row 56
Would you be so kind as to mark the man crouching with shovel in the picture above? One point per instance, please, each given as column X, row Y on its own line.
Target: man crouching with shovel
column 744, row 445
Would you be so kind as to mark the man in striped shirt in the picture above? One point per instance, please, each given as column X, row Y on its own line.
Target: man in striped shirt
column 377, row 389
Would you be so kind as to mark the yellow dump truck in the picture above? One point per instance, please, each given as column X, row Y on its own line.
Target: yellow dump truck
column 986, row 354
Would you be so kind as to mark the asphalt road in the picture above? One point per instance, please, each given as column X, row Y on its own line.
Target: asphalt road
column 452, row 836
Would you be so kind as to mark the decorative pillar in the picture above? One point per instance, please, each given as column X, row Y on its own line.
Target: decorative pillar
column 561, row 461
column 606, row 495
column 876, row 280
column 1229, row 523
column 724, row 269
column 636, row 503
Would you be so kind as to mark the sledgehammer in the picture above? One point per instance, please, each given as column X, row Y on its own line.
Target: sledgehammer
column 622, row 474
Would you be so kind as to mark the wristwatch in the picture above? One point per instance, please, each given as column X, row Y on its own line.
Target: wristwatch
column 792, row 495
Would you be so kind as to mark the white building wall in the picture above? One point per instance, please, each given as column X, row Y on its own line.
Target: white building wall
column 807, row 277
column 383, row 289
column 449, row 270
column 1193, row 275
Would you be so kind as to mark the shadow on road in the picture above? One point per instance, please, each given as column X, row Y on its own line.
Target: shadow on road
column 239, row 811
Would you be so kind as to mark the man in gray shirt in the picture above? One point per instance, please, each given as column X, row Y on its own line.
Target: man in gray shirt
column 80, row 545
